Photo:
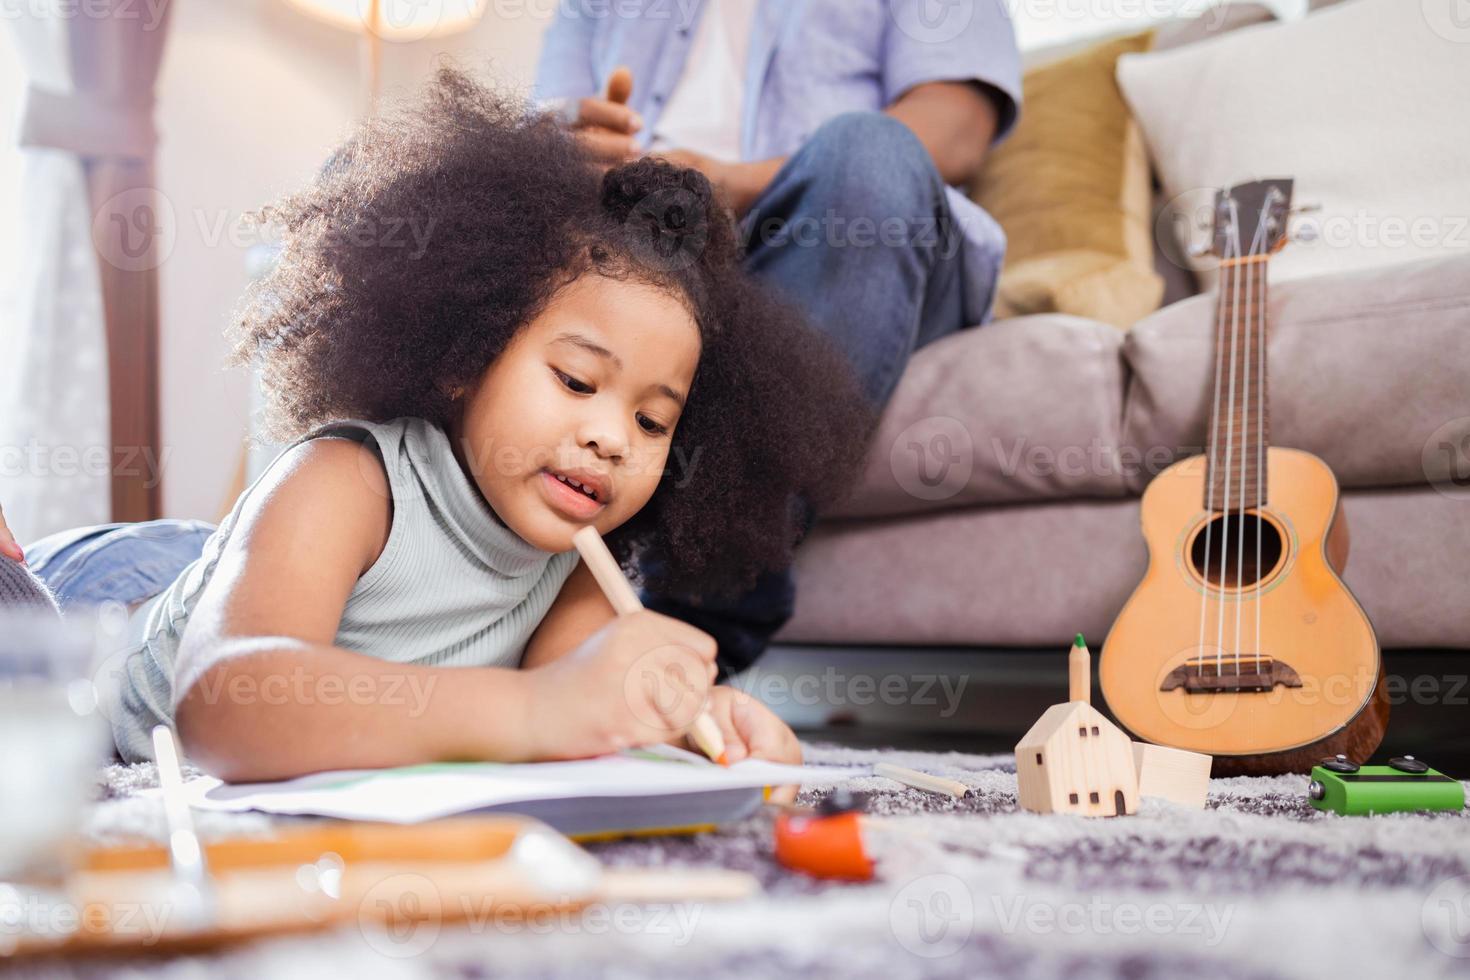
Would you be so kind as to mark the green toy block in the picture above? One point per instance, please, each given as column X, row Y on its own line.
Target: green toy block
column 1383, row 789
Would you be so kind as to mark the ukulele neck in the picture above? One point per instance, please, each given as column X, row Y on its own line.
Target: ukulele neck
column 1235, row 447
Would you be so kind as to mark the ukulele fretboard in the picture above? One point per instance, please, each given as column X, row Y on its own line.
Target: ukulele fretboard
column 1238, row 436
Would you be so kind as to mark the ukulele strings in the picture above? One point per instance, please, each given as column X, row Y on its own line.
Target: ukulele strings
column 1232, row 250
column 1272, row 197
column 1235, row 330
column 1229, row 433
column 1204, row 594
column 1257, row 241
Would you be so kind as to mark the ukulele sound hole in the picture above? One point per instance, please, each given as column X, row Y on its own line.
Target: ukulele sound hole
column 1239, row 547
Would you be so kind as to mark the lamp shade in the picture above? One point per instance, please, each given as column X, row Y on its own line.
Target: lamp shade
column 396, row 20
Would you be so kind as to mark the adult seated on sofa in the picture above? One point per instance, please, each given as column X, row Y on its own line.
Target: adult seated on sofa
column 835, row 129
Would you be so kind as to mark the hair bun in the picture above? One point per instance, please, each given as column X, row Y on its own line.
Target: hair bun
column 668, row 212
column 626, row 188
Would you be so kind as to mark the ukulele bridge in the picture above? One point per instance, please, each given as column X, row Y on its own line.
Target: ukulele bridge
column 1233, row 674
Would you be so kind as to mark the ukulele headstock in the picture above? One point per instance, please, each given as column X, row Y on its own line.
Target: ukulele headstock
column 1250, row 218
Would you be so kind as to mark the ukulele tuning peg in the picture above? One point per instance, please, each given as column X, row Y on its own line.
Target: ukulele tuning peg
column 1306, row 233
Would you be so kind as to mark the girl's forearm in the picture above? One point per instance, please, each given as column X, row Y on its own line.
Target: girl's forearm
column 273, row 707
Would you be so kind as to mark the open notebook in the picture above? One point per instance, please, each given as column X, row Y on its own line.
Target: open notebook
column 659, row 788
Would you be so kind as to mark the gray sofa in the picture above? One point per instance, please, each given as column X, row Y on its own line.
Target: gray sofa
column 1000, row 501
column 1061, row 421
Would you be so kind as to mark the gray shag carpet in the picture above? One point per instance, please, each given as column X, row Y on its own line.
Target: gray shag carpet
column 1259, row 884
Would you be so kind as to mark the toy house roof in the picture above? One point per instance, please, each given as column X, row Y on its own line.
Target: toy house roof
column 1059, row 718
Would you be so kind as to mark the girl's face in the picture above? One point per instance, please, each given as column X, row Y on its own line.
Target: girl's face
column 591, row 390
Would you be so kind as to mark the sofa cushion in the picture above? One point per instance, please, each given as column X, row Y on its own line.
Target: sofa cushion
column 1216, row 19
column 1071, row 189
column 1168, row 265
column 1369, row 370
column 1173, row 32
column 1361, row 103
column 1034, row 575
column 1019, row 409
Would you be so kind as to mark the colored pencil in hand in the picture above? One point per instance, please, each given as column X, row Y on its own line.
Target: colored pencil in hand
column 615, row 585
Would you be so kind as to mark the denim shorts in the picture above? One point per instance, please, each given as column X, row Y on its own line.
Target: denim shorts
column 127, row 562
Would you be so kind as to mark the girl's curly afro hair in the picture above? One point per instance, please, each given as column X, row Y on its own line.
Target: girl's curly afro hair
column 441, row 228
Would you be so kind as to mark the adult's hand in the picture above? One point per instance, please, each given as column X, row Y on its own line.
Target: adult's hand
column 606, row 125
column 739, row 184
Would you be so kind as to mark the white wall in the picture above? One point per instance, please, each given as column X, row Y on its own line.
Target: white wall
column 10, row 89
column 252, row 98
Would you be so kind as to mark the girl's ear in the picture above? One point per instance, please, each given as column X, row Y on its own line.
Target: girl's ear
column 455, row 394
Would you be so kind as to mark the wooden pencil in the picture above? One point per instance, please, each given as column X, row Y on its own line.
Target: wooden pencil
column 619, row 591
column 920, row 780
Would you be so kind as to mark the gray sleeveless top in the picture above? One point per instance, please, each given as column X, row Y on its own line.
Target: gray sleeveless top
column 452, row 588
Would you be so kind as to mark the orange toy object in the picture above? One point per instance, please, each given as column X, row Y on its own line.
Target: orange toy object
column 823, row 846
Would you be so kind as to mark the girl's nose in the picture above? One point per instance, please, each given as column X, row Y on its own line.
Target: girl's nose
column 605, row 435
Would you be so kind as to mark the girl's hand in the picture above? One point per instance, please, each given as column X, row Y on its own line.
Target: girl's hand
column 640, row 679
column 8, row 545
column 751, row 730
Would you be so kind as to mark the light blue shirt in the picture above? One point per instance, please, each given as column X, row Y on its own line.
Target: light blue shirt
column 808, row 61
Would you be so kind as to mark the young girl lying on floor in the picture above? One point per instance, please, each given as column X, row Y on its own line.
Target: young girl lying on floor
column 560, row 351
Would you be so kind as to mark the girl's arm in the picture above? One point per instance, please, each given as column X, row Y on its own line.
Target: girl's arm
column 580, row 609
column 263, row 693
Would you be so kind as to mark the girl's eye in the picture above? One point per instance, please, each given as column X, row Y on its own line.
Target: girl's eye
column 644, row 422
column 652, row 428
column 572, row 383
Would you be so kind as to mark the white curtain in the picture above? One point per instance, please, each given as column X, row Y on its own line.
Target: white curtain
column 55, row 438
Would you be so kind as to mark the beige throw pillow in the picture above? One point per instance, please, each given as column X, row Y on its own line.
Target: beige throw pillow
column 1362, row 103
column 1071, row 189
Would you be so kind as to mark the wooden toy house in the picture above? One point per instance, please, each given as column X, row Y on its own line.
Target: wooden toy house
column 1073, row 760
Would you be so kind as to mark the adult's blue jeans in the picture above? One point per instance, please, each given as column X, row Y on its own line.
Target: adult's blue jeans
column 855, row 231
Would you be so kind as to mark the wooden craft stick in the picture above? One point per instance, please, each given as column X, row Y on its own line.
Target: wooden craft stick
column 676, row 885
column 704, row 732
column 921, row 780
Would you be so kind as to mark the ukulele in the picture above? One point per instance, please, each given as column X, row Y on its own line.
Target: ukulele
column 1242, row 641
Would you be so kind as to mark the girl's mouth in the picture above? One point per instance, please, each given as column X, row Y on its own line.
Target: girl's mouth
column 567, row 499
